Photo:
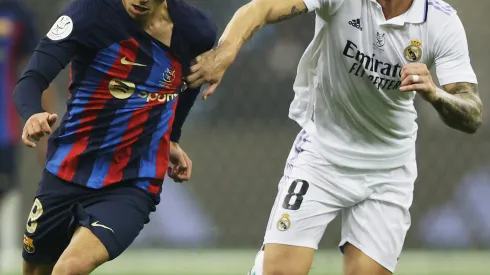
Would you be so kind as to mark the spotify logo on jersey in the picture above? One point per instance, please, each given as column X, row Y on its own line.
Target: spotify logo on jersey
column 121, row 89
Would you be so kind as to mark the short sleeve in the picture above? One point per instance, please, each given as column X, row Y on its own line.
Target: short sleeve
column 330, row 5
column 452, row 58
column 71, row 30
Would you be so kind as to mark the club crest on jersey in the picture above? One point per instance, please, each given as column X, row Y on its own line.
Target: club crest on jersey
column 380, row 40
column 61, row 29
column 284, row 223
column 413, row 53
column 168, row 78
column 29, row 245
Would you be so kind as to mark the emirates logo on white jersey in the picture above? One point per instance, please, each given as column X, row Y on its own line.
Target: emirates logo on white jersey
column 383, row 75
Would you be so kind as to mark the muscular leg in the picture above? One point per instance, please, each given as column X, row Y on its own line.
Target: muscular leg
column 36, row 269
column 282, row 259
column 358, row 263
column 308, row 200
column 83, row 255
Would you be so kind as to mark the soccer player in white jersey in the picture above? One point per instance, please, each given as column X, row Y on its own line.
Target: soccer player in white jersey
column 354, row 95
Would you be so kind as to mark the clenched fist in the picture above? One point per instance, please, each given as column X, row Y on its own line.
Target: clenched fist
column 38, row 126
column 182, row 165
column 416, row 77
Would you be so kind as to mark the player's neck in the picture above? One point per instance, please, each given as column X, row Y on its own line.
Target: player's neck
column 161, row 15
column 159, row 24
column 394, row 8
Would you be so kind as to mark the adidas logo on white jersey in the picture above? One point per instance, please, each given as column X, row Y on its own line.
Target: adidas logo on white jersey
column 356, row 23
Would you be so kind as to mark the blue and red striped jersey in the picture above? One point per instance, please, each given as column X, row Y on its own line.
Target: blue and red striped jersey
column 123, row 92
column 17, row 41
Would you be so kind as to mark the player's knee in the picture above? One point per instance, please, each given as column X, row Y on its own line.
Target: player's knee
column 277, row 267
column 74, row 266
column 287, row 260
column 274, row 264
column 363, row 269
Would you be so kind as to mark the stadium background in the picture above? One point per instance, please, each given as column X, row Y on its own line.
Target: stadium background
column 239, row 140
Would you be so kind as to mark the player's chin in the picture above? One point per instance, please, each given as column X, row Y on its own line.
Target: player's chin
column 139, row 16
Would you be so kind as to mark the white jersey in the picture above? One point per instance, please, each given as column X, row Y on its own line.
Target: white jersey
column 347, row 93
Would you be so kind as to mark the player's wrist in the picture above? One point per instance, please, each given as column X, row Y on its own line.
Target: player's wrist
column 230, row 48
column 34, row 113
column 434, row 95
column 175, row 144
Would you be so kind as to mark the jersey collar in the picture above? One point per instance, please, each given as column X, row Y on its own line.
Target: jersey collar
column 416, row 14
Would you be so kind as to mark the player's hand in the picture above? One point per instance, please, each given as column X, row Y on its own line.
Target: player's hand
column 38, row 126
column 416, row 77
column 209, row 68
column 181, row 169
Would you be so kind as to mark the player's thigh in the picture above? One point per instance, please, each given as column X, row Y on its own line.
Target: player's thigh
column 357, row 262
column 294, row 260
column 47, row 231
column 306, row 201
column 83, row 255
column 36, row 269
column 376, row 232
column 298, row 220
column 116, row 216
column 301, row 213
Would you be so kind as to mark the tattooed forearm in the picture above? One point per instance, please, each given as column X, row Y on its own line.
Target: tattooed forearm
column 294, row 12
column 460, row 107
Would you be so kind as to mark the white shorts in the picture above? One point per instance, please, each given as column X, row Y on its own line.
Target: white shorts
column 374, row 204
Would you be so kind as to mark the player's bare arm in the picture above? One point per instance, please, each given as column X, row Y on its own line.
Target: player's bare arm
column 458, row 104
column 255, row 15
column 211, row 66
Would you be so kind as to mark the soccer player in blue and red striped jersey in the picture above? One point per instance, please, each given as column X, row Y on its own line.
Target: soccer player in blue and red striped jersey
column 128, row 101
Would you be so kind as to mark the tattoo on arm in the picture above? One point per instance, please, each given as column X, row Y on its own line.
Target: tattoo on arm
column 294, row 12
column 461, row 107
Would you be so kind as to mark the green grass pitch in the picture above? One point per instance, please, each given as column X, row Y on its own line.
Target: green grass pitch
column 238, row 262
